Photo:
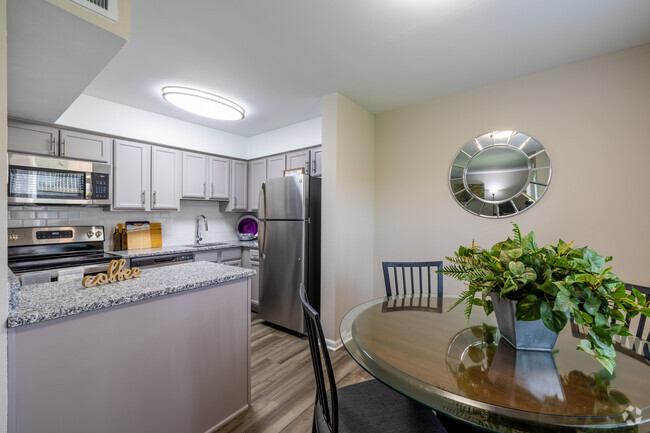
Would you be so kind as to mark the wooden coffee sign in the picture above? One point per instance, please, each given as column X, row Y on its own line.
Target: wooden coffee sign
column 115, row 273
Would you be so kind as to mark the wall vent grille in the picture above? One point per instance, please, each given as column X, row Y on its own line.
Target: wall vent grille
column 105, row 8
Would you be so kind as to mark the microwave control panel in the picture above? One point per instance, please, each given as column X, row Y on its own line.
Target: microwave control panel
column 100, row 186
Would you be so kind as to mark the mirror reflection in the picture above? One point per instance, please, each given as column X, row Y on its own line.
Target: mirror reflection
column 500, row 174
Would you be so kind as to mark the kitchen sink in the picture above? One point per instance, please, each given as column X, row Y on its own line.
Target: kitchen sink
column 207, row 244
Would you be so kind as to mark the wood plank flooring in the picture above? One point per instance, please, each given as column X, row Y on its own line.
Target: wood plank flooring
column 282, row 382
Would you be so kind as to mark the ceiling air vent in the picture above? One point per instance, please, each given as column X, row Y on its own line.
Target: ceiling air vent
column 105, row 8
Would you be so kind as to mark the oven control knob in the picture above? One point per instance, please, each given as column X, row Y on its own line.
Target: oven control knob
column 98, row 233
column 13, row 237
column 90, row 234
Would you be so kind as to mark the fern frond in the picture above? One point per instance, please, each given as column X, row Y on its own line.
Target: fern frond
column 517, row 233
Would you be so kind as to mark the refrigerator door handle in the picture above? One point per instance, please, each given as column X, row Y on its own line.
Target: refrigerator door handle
column 261, row 202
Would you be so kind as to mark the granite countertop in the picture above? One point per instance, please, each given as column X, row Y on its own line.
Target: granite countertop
column 13, row 284
column 40, row 302
column 186, row 248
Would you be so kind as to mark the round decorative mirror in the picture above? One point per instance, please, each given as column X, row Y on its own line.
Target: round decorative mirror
column 500, row 174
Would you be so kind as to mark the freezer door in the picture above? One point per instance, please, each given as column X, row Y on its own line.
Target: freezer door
column 282, row 268
column 285, row 198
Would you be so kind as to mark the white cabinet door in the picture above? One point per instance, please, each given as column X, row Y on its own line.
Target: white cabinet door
column 194, row 175
column 131, row 170
column 298, row 159
column 89, row 147
column 219, row 178
column 317, row 162
column 275, row 166
column 36, row 139
column 165, row 178
column 256, row 175
column 238, row 186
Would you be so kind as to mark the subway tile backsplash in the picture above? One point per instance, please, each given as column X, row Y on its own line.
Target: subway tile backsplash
column 177, row 226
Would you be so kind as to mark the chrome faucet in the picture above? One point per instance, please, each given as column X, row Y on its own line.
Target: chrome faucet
column 197, row 235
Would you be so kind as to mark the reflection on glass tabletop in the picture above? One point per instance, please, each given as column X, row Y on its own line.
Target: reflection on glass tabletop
column 466, row 371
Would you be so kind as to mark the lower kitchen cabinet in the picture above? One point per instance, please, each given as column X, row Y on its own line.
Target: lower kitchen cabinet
column 226, row 256
column 251, row 260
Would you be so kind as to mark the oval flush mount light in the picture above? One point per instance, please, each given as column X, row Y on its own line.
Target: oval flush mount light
column 203, row 103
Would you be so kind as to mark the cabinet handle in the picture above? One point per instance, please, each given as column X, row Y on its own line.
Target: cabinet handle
column 154, row 197
column 212, row 190
column 204, row 189
column 235, row 206
column 53, row 146
column 143, row 192
column 313, row 165
column 63, row 147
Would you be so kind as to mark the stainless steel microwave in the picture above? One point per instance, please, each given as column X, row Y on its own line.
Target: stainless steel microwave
column 46, row 180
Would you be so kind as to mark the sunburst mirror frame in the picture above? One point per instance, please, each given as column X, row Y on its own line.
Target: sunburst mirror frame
column 500, row 174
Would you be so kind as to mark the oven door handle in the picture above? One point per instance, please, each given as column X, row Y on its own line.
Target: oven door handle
column 93, row 269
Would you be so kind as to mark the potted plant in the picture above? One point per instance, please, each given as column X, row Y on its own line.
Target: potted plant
column 552, row 285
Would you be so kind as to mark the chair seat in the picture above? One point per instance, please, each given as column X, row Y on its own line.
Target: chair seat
column 373, row 407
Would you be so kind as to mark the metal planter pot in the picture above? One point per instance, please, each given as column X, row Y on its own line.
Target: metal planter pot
column 522, row 335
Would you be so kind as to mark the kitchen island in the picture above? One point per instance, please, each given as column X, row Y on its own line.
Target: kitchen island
column 166, row 352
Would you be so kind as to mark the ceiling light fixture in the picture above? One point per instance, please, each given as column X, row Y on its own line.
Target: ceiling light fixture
column 203, row 103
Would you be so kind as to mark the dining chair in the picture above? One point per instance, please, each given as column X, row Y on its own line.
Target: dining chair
column 368, row 406
column 637, row 324
column 419, row 276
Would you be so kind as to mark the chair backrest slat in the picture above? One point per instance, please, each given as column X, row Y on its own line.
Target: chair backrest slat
column 393, row 288
column 640, row 320
column 322, row 365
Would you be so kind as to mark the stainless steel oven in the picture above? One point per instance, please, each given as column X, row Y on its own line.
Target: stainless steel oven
column 42, row 254
column 46, row 180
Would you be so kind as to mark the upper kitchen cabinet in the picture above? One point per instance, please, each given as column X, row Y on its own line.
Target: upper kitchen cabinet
column 317, row 162
column 131, row 171
column 219, row 176
column 78, row 145
column 256, row 175
column 298, row 159
column 238, row 186
column 194, row 175
column 275, row 166
column 145, row 177
column 165, row 178
column 47, row 140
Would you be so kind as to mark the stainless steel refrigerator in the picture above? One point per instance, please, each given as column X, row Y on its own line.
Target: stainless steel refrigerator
column 289, row 242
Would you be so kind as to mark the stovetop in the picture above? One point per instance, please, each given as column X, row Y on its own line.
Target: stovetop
column 45, row 248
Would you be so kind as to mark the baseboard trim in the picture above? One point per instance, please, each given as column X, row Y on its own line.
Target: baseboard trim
column 333, row 345
column 227, row 420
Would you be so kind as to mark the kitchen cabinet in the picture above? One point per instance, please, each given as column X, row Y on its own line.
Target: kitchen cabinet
column 219, row 174
column 131, row 175
column 275, row 166
column 251, row 260
column 145, row 177
column 165, row 178
column 316, row 162
column 298, row 159
column 52, row 141
column 238, row 186
column 226, row 256
column 194, row 175
column 256, row 175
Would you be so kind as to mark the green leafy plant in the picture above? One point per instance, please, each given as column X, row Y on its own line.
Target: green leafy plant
column 554, row 283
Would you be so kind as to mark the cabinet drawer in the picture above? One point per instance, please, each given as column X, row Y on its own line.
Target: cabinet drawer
column 255, row 255
column 232, row 262
column 230, row 254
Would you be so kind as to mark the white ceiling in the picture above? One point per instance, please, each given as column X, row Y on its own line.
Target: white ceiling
column 277, row 58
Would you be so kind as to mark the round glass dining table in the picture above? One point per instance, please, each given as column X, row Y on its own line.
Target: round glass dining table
column 466, row 371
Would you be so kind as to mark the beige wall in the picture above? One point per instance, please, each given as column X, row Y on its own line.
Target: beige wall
column 593, row 117
column 347, row 234
column 3, row 216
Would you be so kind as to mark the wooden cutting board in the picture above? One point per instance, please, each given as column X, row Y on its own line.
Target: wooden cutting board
column 138, row 235
column 155, row 230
